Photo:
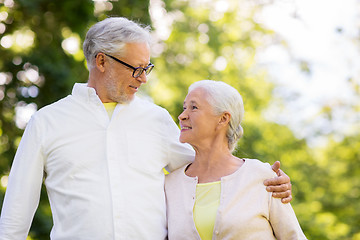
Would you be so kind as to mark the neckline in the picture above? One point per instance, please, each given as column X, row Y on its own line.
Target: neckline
column 208, row 183
column 223, row 177
column 110, row 104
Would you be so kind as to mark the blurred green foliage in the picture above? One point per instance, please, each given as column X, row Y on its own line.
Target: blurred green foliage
column 199, row 41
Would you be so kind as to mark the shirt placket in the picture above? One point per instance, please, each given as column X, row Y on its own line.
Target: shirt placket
column 114, row 150
column 114, row 170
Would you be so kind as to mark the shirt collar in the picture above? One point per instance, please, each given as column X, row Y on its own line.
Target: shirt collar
column 81, row 90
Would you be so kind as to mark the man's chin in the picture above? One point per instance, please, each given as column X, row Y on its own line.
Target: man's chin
column 125, row 99
column 130, row 98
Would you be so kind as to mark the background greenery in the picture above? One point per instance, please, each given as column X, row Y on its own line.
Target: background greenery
column 38, row 68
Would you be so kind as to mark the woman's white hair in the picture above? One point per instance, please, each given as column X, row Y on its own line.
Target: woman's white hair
column 110, row 36
column 224, row 98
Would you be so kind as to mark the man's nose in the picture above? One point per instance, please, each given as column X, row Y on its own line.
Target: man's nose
column 142, row 78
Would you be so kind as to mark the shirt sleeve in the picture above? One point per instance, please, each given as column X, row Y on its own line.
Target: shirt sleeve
column 284, row 222
column 179, row 154
column 24, row 186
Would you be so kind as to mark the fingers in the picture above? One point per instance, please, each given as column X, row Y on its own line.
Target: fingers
column 276, row 167
column 282, row 179
column 286, row 199
column 286, row 196
column 280, row 189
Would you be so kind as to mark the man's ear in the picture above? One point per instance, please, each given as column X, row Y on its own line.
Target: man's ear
column 100, row 62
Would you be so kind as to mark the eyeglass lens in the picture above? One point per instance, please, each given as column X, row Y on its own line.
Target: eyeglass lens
column 138, row 71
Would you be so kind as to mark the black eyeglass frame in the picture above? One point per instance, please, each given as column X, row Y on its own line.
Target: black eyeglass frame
column 146, row 69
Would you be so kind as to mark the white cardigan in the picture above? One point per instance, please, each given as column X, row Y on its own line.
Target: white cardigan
column 246, row 211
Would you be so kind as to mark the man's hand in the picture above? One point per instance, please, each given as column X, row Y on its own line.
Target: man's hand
column 279, row 186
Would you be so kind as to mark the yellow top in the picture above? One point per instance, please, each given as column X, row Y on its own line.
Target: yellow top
column 206, row 204
column 110, row 108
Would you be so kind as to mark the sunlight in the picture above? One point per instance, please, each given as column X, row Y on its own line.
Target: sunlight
column 30, row 75
column 2, row 28
column 102, row 6
column 3, row 78
column 21, row 40
column 9, row 3
column 6, row 41
column 71, row 45
column 220, row 63
column 3, row 16
column 161, row 20
column 2, row 94
column 4, row 181
column 24, row 38
column 222, row 6
column 23, row 113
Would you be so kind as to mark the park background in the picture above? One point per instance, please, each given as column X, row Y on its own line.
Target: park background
column 296, row 64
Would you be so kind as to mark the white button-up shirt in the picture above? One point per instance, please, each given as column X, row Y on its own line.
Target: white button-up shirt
column 103, row 176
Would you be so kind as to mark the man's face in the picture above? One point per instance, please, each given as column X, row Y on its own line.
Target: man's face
column 119, row 85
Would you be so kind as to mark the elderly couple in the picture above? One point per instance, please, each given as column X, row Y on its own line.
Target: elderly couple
column 101, row 151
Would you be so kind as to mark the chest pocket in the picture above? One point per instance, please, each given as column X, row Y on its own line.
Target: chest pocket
column 147, row 151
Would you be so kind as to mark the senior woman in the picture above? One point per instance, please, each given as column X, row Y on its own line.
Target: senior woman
column 220, row 196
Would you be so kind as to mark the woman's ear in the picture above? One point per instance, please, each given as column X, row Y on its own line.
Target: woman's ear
column 224, row 119
column 100, row 62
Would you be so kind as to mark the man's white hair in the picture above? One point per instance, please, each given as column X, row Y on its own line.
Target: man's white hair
column 110, row 36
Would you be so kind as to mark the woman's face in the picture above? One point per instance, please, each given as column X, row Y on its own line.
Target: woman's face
column 197, row 121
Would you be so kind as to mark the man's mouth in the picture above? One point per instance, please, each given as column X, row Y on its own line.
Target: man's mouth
column 136, row 88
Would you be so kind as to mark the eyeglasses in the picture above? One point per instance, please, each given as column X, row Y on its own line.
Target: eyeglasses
column 137, row 70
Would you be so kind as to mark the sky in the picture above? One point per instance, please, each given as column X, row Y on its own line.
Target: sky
column 321, row 33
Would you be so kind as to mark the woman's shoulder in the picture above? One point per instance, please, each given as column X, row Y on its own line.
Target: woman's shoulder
column 176, row 174
column 260, row 168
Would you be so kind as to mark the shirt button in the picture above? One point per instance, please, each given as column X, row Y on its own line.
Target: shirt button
column 217, row 232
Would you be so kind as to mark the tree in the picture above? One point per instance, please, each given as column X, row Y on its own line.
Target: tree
column 194, row 40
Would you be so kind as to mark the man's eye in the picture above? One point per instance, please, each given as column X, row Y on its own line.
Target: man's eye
column 194, row 107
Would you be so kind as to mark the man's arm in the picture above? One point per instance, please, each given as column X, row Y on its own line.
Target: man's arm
column 179, row 154
column 279, row 186
column 24, row 186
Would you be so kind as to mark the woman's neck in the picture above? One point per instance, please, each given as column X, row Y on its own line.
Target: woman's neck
column 213, row 163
